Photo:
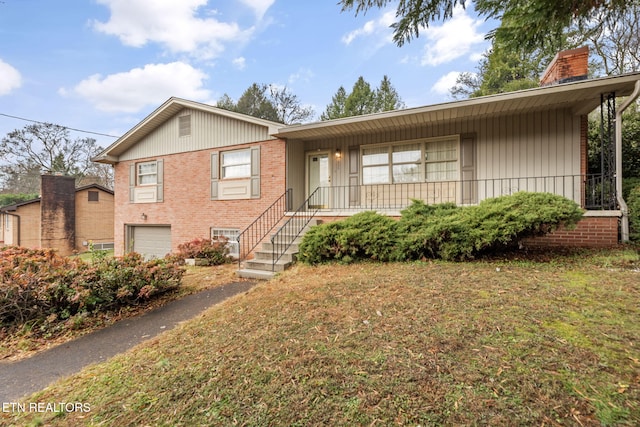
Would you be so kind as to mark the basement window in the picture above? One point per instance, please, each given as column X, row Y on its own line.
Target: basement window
column 231, row 235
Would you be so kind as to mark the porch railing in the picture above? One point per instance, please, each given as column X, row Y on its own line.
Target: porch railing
column 286, row 235
column 256, row 232
column 589, row 191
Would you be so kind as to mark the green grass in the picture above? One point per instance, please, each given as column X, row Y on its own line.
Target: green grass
column 531, row 341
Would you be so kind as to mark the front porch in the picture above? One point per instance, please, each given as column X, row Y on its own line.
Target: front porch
column 281, row 227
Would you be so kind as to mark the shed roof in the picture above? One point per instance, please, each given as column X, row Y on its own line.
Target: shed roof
column 582, row 97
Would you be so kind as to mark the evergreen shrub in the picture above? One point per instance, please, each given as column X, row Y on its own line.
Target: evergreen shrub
column 440, row 231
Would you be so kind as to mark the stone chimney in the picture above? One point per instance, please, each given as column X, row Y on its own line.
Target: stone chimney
column 58, row 213
column 567, row 66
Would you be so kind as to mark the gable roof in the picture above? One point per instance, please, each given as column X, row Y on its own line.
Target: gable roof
column 581, row 97
column 168, row 109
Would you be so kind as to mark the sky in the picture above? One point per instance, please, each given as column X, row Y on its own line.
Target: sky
column 102, row 66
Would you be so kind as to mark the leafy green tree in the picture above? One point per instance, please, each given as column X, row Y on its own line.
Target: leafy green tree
column 387, row 97
column 501, row 70
column 11, row 199
column 630, row 143
column 336, row 108
column 524, row 24
column 363, row 100
column 255, row 102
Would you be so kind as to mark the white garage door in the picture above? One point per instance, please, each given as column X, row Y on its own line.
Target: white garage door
column 151, row 241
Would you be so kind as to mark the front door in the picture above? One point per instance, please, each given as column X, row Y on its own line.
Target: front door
column 318, row 175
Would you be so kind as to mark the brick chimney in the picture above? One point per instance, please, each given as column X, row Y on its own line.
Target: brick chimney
column 567, row 66
column 58, row 213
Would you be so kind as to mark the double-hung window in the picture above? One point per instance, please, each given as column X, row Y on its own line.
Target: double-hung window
column 147, row 173
column 236, row 164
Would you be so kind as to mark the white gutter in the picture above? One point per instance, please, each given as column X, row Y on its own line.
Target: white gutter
column 624, row 223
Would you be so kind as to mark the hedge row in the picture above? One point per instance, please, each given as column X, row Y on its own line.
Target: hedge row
column 439, row 231
column 38, row 284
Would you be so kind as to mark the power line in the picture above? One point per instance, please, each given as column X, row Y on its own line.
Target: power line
column 66, row 127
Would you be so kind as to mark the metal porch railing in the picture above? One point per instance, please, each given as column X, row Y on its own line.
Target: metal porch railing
column 256, row 232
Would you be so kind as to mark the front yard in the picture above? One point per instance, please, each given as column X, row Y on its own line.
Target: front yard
column 543, row 339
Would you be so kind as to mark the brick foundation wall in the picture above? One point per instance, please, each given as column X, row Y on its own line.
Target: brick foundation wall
column 591, row 232
column 187, row 205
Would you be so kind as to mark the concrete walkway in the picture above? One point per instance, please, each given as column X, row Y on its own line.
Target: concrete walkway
column 27, row 376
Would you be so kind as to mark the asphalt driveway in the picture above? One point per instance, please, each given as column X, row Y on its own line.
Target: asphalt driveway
column 23, row 377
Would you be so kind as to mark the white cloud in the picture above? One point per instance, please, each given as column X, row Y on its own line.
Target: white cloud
column 444, row 83
column 259, row 7
column 373, row 27
column 11, row 78
column 133, row 90
column 173, row 24
column 451, row 40
column 303, row 74
column 240, row 63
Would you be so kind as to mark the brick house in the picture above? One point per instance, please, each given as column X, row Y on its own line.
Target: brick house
column 64, row 217
column 191, row 170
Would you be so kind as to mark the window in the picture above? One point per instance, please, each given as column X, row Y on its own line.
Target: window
column 231, row 235
column 94, row 196
column 236, row 164
column 147, row 173
column 184, row 125
column 431, row 160
column 441, row 161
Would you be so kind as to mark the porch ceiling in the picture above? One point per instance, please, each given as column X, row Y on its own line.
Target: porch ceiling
column 582, row 97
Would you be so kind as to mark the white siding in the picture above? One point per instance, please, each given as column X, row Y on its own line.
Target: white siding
column 526, row 145
column 207, row 131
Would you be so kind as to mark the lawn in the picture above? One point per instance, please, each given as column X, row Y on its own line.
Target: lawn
column 536, row 340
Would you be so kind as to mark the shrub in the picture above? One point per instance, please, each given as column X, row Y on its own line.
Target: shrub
column 216, row 252
column 366, row 235
column 440, row 231
column 37, row 284
column 633, row 203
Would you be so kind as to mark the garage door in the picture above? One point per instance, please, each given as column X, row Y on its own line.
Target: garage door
column 151, row 241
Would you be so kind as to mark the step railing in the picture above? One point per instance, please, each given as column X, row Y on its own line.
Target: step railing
column 258, row 230
column 286, row 235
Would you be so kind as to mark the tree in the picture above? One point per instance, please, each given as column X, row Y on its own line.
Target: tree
column 48, row 148
column 278, row 104
column 254, row 102
column 524, row 24
column 387, row 97
column 501, row 70
column 363, row 100
column 288, row 107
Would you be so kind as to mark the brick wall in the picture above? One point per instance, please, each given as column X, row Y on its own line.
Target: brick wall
column 187, row 205
column 591, row 232
column 57, row 210
column 29, row 233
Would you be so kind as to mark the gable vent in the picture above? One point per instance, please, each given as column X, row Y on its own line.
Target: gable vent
column 184, row 125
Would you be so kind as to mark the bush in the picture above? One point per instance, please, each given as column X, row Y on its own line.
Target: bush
column 216, row 252
column 633, row 203
column 440, row 231
column 37, row 284
column 366, row 235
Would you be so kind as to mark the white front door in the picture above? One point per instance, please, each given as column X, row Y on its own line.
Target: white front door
column 318, row 175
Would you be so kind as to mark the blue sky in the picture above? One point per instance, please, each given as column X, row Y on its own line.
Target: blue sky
column 104, row 65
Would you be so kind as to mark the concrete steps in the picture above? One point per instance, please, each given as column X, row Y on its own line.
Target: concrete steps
column 261, row 265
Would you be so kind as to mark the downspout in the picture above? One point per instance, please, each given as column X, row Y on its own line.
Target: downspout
column 624, row 209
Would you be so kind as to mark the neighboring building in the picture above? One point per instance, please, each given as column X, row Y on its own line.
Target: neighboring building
column 64, row 217
column 191, row 170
